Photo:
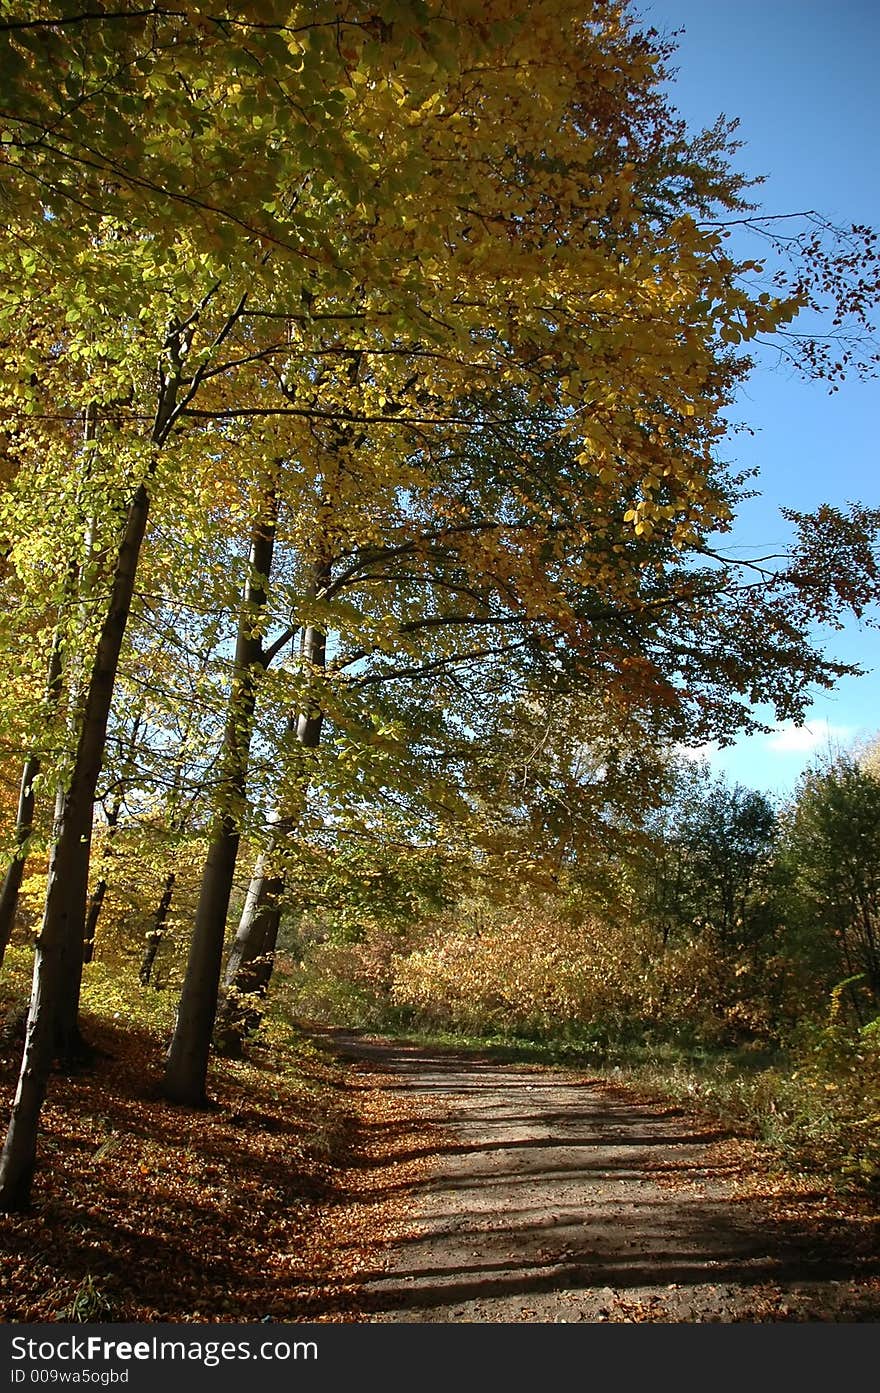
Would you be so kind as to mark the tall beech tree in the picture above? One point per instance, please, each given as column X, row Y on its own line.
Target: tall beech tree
column 249, row 967
column 117, row 249
column 188, row 1052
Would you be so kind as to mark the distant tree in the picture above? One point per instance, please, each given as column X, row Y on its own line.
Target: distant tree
column 710, row 858
column 831, row 847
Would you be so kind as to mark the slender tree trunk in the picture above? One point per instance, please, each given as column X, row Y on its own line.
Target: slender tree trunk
column 249, row 967
column 96, row 899
column 23, row 827
column 187, row 1062
column 98, row 895
column 252, row 957
column 52, row 1018
column 157, row 932
column 24, row 821
column 59, row 945
column 93, row 914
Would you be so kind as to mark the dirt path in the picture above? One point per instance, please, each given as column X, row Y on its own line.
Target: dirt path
column 549, row 1196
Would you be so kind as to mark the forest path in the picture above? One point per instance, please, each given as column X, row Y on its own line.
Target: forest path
column 551, row 1196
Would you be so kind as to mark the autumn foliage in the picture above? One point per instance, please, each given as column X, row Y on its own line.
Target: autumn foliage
column 365, row 371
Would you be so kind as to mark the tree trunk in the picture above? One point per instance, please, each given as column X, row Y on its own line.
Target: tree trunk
column 23, row 826
column 24, row 820
column 58, row 967
column 252, row 957
column 53, row 1014
column 96, row 899
column 249, row 968
column 93, row 913
column 157, row 932
column 186, row 1066
column 76, row 806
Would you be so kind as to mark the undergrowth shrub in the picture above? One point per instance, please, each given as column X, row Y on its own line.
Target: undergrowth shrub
column 539, row 973
column 346, row 983
column 828, row 1114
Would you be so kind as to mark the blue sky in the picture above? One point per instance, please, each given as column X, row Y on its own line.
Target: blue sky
column 802, row 76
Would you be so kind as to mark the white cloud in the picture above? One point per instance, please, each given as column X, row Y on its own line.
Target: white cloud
column 697, row 754
column 789, row 739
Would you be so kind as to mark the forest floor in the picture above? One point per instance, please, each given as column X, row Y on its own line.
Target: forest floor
column 256, row 1209
column 550, row 1195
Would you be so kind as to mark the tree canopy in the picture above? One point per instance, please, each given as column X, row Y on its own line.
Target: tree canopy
column 404, row 335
